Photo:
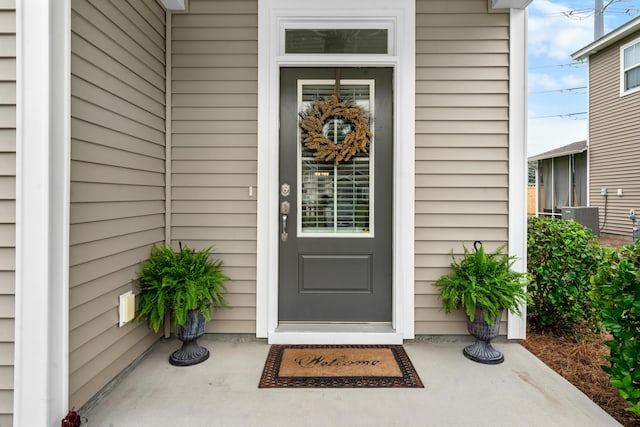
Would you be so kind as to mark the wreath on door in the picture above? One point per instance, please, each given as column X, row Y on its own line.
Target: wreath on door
column 313, row 135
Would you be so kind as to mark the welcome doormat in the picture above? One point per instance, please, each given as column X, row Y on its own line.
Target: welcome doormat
column 338, row 366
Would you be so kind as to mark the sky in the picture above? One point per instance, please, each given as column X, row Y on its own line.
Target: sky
column 557, row 84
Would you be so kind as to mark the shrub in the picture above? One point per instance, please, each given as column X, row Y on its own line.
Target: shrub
column 616, row 301
column 562, row 257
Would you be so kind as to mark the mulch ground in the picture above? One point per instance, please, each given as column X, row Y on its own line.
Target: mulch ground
column 614, row 241
column 578, row 358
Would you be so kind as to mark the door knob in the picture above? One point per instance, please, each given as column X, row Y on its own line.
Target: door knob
column 284, row 210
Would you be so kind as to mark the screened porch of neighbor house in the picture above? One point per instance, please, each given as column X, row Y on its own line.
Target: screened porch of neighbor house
column 560, row 178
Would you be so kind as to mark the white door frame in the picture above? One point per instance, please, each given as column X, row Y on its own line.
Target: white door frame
column 399, row 18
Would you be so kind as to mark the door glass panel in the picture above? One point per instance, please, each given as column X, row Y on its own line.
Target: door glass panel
column 358, row 41
column 335, row 200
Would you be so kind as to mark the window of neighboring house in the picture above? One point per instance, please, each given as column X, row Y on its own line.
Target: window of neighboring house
column 630, row 68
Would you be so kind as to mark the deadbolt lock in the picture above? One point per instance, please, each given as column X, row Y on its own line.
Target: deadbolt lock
column 285, row 190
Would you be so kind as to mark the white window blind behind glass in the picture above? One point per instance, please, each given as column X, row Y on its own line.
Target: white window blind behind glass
column 335, row 199
column 632, row 66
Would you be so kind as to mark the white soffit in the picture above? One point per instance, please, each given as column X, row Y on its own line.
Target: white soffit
column 174, row 4
column 510, row 4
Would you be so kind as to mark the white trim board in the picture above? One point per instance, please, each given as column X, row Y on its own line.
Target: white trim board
column 41, row 382
column 517, row 325
column 273, row 16
column 607, row 40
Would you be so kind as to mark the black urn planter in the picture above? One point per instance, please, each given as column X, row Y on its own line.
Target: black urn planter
column 191, row 353
column 482, row 351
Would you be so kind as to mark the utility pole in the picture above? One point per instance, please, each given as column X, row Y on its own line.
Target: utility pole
column 598, row 19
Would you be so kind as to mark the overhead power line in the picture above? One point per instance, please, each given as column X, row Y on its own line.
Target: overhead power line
column 568, row 65
column 571, row 116
column 630, row 11
column 571, row 90
column 584, row 13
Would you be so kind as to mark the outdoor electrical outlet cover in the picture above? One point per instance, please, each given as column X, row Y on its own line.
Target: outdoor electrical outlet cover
column 603, row 191
column 619, row 192
column 126, row 308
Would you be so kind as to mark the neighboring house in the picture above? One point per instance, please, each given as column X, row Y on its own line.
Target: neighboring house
column 561, row 178
column 137, row 126
column 614, row 128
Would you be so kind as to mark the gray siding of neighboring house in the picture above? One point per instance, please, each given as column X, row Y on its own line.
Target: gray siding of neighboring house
column 215, row 73
column 614, row 148
column 117, row 179
column 7, row 205
column 462, row 110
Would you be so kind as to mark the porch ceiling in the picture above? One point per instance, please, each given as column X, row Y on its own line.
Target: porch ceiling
column 174, row 4
column 178, row 5
column 510, row 4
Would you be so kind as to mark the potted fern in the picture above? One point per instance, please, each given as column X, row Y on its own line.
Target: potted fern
column 190, row 286
column 483, row 285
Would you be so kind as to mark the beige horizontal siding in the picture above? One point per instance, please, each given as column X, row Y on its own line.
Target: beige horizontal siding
column 613, row 141
column 7, row 208
column 126, row 143
column 118, row 69
column 117, row 179
column 462, row 100
column 215, row 95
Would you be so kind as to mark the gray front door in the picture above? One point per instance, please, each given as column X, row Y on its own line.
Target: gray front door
column 335, row 263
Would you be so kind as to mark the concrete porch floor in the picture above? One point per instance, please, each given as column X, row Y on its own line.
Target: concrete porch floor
column 223, row 391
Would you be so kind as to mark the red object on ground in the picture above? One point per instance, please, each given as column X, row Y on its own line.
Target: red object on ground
column 72, row 419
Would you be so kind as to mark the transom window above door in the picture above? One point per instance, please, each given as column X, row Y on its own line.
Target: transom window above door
column 320, row 41
column 328, row 36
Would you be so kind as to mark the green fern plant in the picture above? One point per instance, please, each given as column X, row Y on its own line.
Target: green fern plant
column 179, row 282
column 484, row 279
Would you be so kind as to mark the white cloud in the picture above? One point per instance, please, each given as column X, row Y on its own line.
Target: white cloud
column 548, row 134
column 553, row 35
column 572, row 80
column 544, row 81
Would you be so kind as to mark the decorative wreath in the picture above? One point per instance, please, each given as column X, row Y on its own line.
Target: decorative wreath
column 314, row 119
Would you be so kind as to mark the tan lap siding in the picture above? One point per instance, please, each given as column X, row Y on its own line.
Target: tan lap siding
column 117, row 179
column 7, row 205
column 613, row 141
column 461, row 143
column 215, row 72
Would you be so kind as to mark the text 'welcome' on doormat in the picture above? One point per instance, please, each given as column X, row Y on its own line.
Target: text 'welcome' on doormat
column 338, row 366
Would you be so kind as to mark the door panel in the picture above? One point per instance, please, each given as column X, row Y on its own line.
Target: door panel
column 335, row 264
column 348, row 273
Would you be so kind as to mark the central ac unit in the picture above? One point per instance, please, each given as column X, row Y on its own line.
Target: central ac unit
column 585, row 215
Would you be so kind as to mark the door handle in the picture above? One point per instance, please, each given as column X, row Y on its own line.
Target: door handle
column 284, row 210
